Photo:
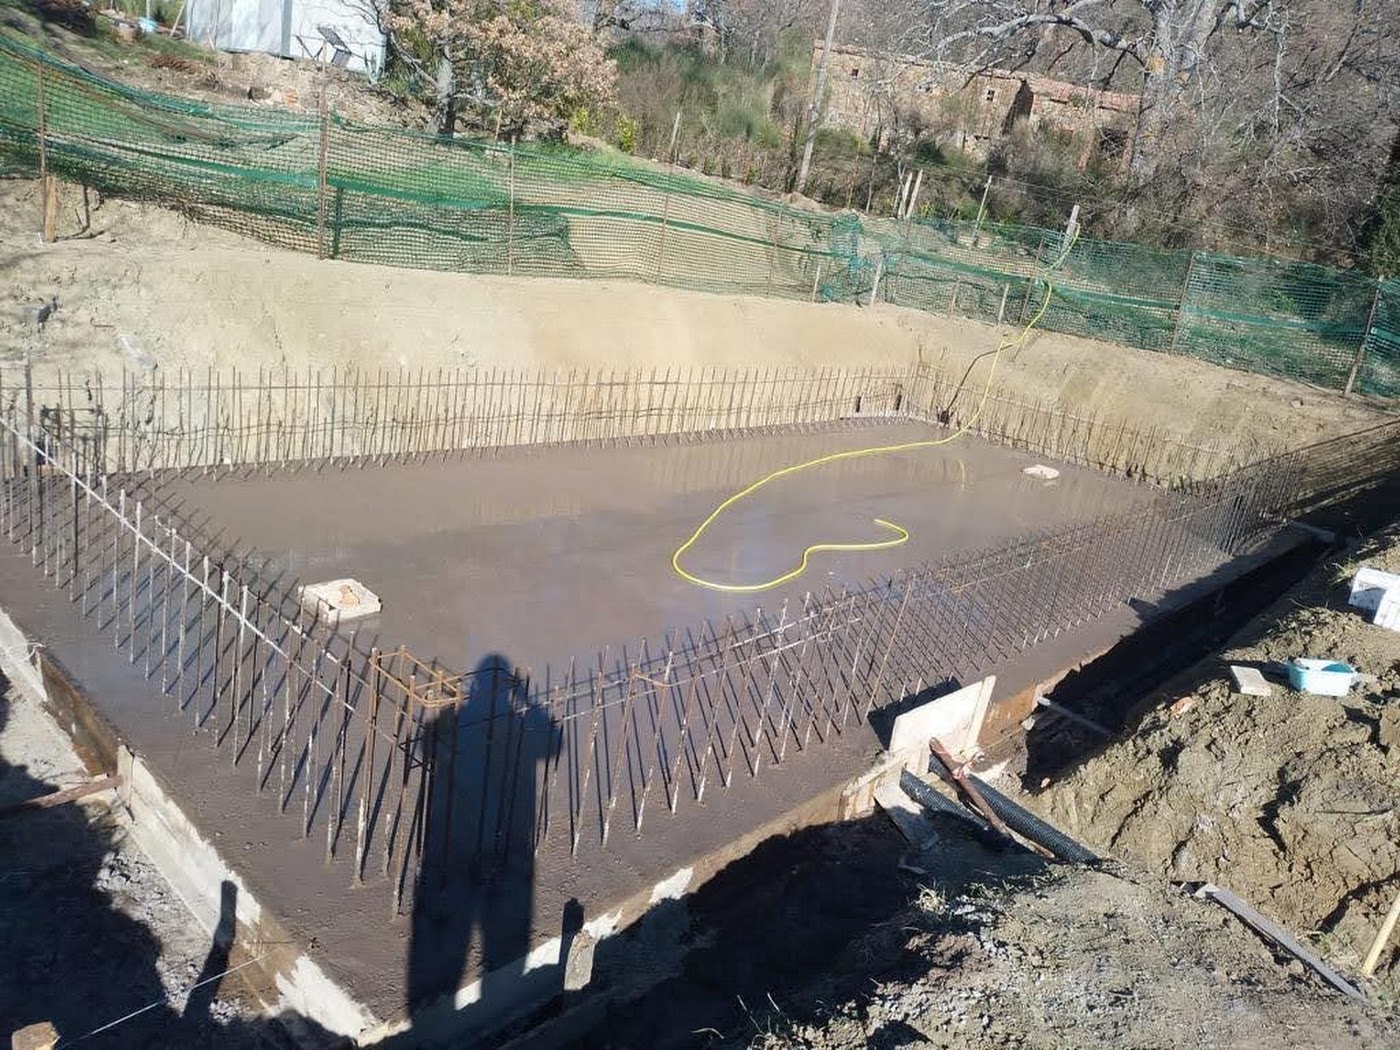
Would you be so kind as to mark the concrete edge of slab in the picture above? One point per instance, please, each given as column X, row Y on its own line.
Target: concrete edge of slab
column 285, row 979
column 294, row 986
column 529, row 983
column 288, row 983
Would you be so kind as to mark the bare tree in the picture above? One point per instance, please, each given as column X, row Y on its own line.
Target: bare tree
column 1168, row 41
column 753, row 29
column 1268, row 117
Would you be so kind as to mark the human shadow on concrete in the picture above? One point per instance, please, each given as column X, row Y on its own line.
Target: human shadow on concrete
column 473, row 896
column 76, row 955
column 198, row 1007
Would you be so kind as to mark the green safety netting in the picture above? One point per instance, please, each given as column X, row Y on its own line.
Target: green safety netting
column 385, row 195
column 1380, row 362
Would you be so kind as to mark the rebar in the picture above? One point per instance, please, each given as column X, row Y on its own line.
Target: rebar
column 729, row 695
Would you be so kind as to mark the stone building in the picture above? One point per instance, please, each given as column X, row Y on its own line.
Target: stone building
column 883, row 97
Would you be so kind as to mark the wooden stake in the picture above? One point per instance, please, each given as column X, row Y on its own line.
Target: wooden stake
column 1181, row 302
column 1365, row 338
column 510, row 218
column 321, row 164
column 1373, row 957
column 875, row 285
column 58, row 798
column 50, row 185
column 666, row 202
column 50, row 194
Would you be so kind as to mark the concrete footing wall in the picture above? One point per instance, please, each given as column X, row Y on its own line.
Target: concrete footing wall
column 276, row 968
column 284, row 978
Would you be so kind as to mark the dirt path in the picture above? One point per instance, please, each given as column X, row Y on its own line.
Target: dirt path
column 143, row 288
column 1290, row 799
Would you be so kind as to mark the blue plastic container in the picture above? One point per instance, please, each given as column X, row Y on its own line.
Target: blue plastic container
column 1323, row 677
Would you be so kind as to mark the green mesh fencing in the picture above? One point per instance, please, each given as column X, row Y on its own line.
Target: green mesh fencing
column 1379, row 369
column 385, row 195
column 1266, row 315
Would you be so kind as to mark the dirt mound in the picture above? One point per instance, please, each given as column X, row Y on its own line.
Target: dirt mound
column 1080, row 958
column 839, row 936
column 1290, row 799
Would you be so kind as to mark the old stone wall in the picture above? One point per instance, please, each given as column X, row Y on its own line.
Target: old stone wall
column 881, row 97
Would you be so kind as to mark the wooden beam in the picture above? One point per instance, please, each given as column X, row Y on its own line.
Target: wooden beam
column 1276, row 933
column 58, row 798
column 50, row 185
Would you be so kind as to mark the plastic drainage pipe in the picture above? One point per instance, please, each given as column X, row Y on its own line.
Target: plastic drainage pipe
column 931, row 799
column 1024, row 822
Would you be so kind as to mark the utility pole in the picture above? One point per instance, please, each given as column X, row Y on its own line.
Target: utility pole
column 814, row 110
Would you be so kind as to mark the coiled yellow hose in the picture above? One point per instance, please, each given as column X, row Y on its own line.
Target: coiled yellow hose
column 901, row 534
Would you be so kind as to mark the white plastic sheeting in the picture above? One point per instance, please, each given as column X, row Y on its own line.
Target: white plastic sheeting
column 290, row 28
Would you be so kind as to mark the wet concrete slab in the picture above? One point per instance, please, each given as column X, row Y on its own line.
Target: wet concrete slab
column 540, row 556
column 546, row 555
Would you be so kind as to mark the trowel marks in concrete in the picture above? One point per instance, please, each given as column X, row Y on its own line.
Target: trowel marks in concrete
column 545, row 555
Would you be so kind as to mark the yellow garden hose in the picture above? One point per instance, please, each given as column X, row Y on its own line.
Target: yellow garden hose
column 901, row 534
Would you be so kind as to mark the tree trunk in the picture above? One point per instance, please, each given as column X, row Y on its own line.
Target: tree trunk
column 447, row 98
column 1180, row 31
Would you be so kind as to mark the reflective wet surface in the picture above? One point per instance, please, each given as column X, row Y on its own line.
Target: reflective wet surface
column 552, row 554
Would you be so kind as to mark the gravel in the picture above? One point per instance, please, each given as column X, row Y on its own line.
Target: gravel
column 90, row 929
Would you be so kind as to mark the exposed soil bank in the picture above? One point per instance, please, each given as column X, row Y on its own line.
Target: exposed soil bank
column 1290, row 799
column 823, row 940
column 144, row 287
column 1108, row 690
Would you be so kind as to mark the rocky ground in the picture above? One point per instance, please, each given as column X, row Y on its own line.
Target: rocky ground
column 1289, row 799
column 840, row 937
column 1079, row 958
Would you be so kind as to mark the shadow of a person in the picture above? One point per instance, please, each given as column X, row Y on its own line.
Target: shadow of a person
column 59, row 867
column 206, row 987
column 484, row 763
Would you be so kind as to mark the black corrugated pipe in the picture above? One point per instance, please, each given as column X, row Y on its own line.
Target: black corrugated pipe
column 1024, row 822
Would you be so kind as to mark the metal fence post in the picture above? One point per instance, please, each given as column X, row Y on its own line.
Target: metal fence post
column 33, row 457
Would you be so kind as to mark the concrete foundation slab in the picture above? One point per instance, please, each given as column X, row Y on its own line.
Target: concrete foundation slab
column 539, row 556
